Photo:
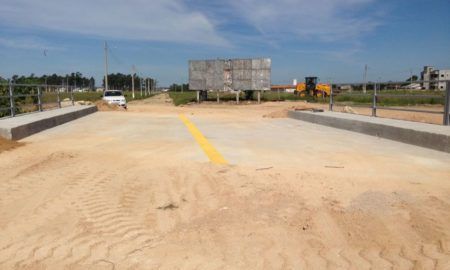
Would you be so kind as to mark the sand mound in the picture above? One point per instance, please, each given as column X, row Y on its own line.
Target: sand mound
column 6, row 145
column 105, row 106
column 284, row 113
column 277, row 114
column 348, row 109
column 82, row 102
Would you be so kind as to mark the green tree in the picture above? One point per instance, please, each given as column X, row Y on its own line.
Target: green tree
column 179, row 87
column 124, row 81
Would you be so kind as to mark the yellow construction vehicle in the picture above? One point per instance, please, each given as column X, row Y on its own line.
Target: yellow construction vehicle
column 311, row 88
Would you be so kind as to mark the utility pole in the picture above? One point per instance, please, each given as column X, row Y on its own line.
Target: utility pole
column 365, row 79
column 106, row 66
column 132, row 80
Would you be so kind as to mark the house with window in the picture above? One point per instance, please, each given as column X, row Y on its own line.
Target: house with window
column 435, row 79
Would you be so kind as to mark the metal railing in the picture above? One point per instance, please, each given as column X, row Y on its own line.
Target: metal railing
column 16, row 99
column 377, row 96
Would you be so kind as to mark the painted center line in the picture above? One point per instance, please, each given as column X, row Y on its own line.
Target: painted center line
column 212, row 153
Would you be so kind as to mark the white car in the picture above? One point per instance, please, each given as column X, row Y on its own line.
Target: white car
column 115, row 97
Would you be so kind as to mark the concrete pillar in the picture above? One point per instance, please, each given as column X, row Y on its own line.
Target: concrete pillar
column 259, row 97
column 237, row 96
column 71, row 98
column 11, row 99
column 374, row 101
column 39, row 99
column 218, row 97
column 331, row 97
column 198, row 96
column 58, row 99
column 447, row 105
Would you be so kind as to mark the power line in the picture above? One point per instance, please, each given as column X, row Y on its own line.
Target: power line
column 115, row 57
column 106, row 66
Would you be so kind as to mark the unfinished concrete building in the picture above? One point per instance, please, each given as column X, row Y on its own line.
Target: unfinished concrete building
column 434, row 79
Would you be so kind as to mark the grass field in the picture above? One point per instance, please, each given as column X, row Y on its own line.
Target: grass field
column 180, row 98
column 414, row 97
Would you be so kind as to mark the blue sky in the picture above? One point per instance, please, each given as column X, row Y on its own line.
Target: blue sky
column 332, row 39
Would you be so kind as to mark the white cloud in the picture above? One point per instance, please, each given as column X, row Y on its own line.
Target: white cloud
column 325, row 20
column 27, row 43
column 155, row 20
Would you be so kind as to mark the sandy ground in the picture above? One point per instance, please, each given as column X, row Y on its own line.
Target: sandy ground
column 431, row 118
column 133, row 190
column 6, row 145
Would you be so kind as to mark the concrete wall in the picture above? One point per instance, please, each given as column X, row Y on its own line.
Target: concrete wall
column 442, row 75
column 19, row 127
column 226, row 75
column 430, row 139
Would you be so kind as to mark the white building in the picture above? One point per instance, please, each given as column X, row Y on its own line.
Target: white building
column 435, row 79
column 412, row 86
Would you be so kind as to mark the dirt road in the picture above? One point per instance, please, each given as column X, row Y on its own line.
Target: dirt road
column 134, row 190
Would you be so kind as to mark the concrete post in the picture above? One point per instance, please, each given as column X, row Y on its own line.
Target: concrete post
column 259, row 97
column 198, row 96
column 218, row 97
column 58, row 98
column 374, row 101
column 447, row 106
column 237, row 96
column 331, row 97
column 11, row 99
column 39, row 99
column 71, row 98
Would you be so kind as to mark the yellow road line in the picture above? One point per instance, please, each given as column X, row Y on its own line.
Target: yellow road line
column 213, row 155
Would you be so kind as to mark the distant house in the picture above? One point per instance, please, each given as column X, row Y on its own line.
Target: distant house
column 346, row 87
column 283, row 87
column 434, row 79
column 413, row 86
